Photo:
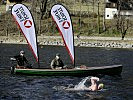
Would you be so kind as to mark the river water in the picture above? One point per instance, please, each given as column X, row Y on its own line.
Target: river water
column 21, row 87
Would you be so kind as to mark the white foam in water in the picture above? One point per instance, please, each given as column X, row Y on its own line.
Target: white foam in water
column 81, row 85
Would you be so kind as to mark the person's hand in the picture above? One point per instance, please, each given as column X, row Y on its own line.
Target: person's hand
column 13, row 59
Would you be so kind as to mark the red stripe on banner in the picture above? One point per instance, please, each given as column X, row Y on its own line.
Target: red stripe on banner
column 64, row 41
column 26, row 39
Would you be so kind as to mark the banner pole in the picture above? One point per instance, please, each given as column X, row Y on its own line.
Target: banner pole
column 74, row 52
column 38, row 58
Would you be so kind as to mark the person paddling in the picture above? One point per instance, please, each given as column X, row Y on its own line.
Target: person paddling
column 21, row 60
column 57, row 63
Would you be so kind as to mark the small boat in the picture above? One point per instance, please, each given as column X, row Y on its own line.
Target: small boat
column 63, row 21
column 103, row 70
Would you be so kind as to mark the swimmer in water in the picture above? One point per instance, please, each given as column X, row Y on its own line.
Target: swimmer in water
column 94, row 86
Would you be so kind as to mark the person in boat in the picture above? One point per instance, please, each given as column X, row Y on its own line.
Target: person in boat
column 22, row 61
column 57, row 63
column 94, row 84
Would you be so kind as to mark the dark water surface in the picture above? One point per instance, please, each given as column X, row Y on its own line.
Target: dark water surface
column 21, row 87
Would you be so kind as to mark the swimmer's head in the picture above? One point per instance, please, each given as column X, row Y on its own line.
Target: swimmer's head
column 101, row 86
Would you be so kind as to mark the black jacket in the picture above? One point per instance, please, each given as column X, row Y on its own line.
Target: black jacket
column 57, row 63
column 21, row 60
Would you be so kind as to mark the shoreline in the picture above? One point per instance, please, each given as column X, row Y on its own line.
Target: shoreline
column 106, row 42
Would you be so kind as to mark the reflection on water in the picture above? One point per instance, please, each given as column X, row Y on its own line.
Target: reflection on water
column 16, row 87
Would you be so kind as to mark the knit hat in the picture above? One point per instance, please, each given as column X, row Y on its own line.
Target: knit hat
column 57, row 54
column 22, row 52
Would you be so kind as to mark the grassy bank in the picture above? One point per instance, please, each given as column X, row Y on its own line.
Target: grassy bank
column 84, row 19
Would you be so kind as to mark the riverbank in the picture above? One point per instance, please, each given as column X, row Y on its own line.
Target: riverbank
column 109, row 42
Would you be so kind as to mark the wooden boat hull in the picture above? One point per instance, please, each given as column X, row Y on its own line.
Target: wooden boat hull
column 105, row 70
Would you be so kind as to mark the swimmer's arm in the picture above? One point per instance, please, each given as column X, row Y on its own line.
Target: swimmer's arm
column 88, row 88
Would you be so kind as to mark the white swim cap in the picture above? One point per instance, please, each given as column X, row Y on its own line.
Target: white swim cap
column 101, row 86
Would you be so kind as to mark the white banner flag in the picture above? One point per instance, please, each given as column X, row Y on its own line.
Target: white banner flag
column 63, row 21
column 25, row 22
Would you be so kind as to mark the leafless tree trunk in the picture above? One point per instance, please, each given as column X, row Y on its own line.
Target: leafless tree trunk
column 119, row 16
column 98, row 18
column 7, row 27
column 125, row 25
column 79, row 20
column 104, row 26
column 43, row 5
column 122, row 22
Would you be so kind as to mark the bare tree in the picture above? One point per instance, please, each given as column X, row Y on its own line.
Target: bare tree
column 124, row 27
column 104, row 25
column 119, row 16
column 43, row 6
column 123, row 23
column 98, row 13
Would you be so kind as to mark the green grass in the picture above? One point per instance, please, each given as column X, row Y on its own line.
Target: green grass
column 86, row 7
column 2, row 9
column 88, row 27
